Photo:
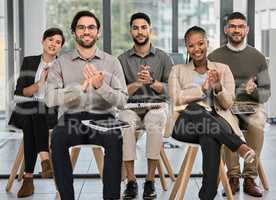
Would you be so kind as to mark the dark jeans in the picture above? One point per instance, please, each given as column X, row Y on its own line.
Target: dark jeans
column 197, row 125
column 36, row 139
column 70, row 132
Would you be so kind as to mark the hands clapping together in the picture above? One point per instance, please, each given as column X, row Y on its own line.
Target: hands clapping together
column 213, row 81
column 93, row 77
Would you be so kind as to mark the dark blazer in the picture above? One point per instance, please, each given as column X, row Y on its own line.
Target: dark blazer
column 26, row 78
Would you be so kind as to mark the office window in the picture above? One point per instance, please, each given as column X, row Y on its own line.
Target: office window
column 160, row 13
column 203, row 13
column 60, row 14
column 265, row 19
column 2, row 57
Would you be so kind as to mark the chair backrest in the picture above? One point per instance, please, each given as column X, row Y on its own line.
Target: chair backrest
column 177, row 58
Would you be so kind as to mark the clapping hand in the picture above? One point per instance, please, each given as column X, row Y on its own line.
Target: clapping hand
column 93, row 77
column 43, row 77
column 214, row 79
column 250, row 86
column 144, row 76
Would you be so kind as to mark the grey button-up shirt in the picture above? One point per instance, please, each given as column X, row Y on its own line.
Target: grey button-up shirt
column 66, row 76
column 160, row 66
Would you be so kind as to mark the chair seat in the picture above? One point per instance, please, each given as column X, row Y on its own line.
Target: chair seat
column 191, row 144
column 87, row 145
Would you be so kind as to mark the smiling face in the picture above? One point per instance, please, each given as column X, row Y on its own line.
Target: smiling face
column 52, row 45
column 140, row 31
column 86, row 32
column 236, row 31
column 197, row 45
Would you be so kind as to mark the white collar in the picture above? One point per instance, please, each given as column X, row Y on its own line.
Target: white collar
column 242, row 47
column 44, row 64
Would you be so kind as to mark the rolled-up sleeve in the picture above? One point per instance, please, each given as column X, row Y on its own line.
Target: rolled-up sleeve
column 56, row 93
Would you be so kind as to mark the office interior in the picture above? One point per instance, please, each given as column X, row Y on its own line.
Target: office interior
column 22, row 23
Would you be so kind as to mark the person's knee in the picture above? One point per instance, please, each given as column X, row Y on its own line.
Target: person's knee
column 155, row 125
column 58, row 138
column 128, row 116
column 209, row 142
column 113, row 139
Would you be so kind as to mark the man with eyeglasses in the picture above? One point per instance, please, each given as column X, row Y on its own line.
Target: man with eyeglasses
column 252, row 80
column 86, row 84
column 146, row 70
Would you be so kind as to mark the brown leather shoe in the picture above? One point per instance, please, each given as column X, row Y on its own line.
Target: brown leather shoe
column 27, row 188
column 47, row 171
column 251, row 188
column 234, row 183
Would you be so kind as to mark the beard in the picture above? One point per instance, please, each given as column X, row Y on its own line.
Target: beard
column 84, row 44
column 236, row 41
column 140, row 43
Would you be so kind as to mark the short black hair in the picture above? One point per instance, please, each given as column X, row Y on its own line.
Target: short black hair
column 194, row 29
column 236, row 15
column 53, row 31
column 84, row 13
column 139, row 15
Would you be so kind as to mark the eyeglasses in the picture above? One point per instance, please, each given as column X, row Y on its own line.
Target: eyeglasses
column 240, row 26
column 91, row 27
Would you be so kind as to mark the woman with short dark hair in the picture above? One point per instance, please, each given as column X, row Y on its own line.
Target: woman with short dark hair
column 34, row 117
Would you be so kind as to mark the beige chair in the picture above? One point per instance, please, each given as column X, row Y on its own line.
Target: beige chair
column 181, row 183
column 18, row 165
column 97, row 152
column 160, row 169
column 262, row 176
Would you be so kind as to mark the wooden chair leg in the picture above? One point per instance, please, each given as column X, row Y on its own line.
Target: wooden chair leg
column 162, row 176
column 225, row 181
column 179, row 178
column 167, row 164
column 51, row 162
column 75, row 151
column 123, row 172
column 17, row 162
column 263, row 176
column 181, row 183
column 21, row 172
column 99, row 157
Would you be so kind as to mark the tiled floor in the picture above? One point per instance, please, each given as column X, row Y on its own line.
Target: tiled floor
column 91, row 188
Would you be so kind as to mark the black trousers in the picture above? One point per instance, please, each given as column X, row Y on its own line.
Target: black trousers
column 197, row 125
column 70, row 132
column 36, row 139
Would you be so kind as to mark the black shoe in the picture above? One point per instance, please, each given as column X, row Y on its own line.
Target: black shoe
column 131, row 190
column 110, row 199
column 149, row 190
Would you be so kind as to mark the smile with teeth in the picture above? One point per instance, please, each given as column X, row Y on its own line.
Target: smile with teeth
column 140, row 37
column 198, row 54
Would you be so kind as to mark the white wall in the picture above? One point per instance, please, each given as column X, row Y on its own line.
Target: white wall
column 35, row 24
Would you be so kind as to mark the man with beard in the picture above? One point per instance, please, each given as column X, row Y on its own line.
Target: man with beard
column 250, row 71
column 146, row 70
column 86, row 84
